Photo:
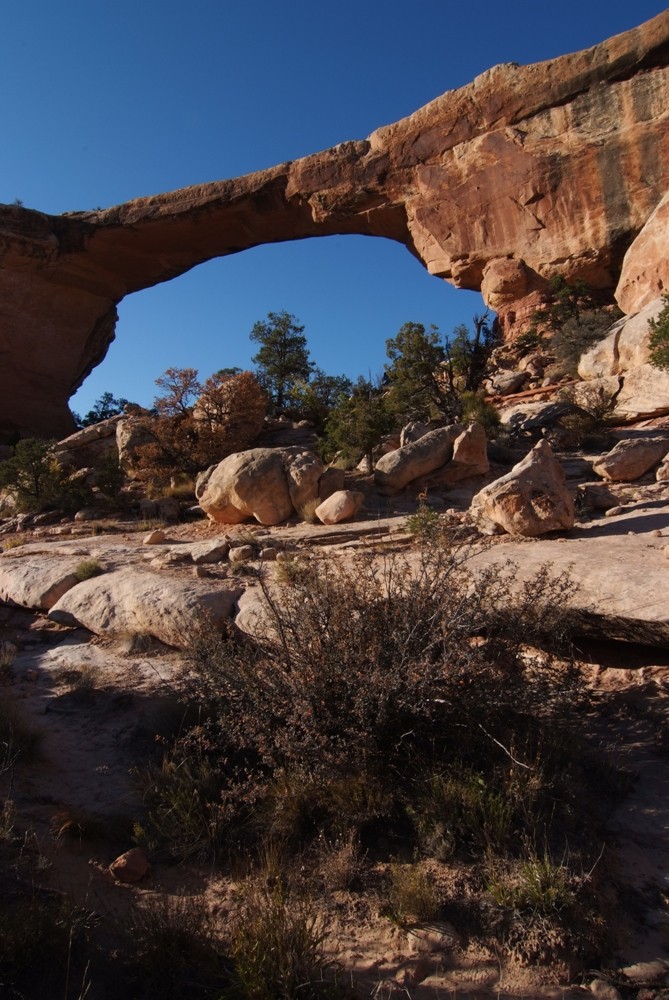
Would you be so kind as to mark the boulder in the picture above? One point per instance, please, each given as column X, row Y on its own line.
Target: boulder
column 131, row 433
column 85, row 447
column 645, row 270
column 398, row 468
column 31, row 581
column 214, row 551
column 155, row 537
column 644, row 394
column 506, row 383
column 530, row 500
column 525, row 417
column 341, row 506
column 304, row 470
column 412, row 432
column 331, row 482
column 263, row 483
column 239, row 554
column 133, row 601
column 470, row 458
column 624, row 354
column 631, row 458
column 625, row 346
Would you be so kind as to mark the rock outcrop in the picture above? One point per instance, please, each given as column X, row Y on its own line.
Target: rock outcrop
column 619, row 364
column 131, row 602
column 522, row 174
column 645, row 272
column 530, row 500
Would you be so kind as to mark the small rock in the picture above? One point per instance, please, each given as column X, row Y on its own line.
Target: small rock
column 210, row 552
column 241, row 553
column 86, row 514
column 614, row 511
column 647, row 972
column 340, row 506
column 200, row 571
column 131, row 866
column 269, row 554
column 48, row 517
column 603, row 990
column 156, row 537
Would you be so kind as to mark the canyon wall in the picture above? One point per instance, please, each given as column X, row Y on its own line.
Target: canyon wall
column 525, row 173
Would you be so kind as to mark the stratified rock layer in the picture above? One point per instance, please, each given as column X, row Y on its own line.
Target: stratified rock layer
column 525, row 173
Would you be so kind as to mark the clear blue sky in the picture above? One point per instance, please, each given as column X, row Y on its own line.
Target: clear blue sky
column 108, row 100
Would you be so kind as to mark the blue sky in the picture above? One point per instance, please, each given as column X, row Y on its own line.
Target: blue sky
column 107, row 100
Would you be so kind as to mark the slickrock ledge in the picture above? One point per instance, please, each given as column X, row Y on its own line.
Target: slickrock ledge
column 524, row 173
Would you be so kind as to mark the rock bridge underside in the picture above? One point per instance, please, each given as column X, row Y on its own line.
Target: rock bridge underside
column 525, row 173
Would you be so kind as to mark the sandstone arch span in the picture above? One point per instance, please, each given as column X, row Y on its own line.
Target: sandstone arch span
column 524, row 173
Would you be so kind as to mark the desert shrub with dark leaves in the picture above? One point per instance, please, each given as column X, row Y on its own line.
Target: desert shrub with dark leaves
column 398, row 702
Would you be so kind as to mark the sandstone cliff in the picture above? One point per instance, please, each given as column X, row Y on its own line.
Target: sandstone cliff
column 524, row 173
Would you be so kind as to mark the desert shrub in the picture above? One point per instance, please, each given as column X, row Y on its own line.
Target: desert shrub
column 474, row 406
column 196, row 425
column 277, row 947
column 307, row 511
column 181, row 808
column 37, row 481
column 109, row 475
column 574, row 318
column 536, row 883
column 87, row 569
column 578, row 334
column 411, row 893
column 18, row 739
column 374, row 684
column 425, row 524
column 172, row 949
column 43, row 937
column 591, row 422
column 659, row 336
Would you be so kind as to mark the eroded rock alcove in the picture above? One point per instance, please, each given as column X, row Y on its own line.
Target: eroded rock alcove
column 525, row 173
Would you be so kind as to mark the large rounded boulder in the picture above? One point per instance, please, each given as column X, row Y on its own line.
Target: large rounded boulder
column 530, row 500
column 268, row 484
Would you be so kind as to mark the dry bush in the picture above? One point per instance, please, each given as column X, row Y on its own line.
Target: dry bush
column 186, row 438
column 172, row 949
column 277, row 943
column 383, row 697
column 411, row 893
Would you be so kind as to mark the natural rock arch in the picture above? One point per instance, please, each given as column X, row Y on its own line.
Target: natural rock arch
column 524, row 173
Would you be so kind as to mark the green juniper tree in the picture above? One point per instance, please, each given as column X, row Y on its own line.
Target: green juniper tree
column 659, row 336
column 359, row 421
column 416, row 391
column 283, row 358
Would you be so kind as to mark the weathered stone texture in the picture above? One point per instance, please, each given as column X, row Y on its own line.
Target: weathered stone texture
column 525, row 173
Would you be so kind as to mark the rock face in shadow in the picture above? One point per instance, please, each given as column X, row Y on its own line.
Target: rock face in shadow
column 522, row 174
